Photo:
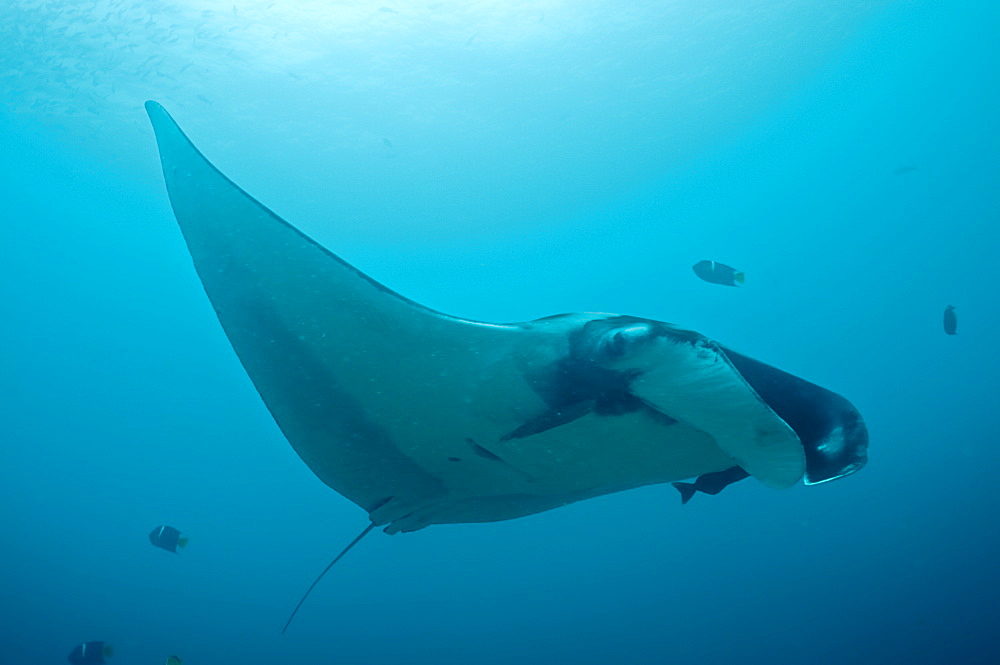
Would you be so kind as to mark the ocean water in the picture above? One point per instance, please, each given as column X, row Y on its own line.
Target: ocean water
column 503, row 161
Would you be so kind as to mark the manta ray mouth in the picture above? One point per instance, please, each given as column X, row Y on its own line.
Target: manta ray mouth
column 831, row 430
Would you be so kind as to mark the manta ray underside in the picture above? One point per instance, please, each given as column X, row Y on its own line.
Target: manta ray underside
column 423, row 418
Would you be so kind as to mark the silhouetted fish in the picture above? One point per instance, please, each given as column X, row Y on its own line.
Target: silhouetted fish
column 718, row 273
column 167, row 538
column 90, row 653
column 710, row 483
column 950, row 320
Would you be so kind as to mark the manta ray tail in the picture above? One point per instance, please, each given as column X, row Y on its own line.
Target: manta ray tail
column 687, row 491
column 325, row 571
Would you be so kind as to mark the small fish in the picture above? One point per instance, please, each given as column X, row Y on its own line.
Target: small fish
column 167, row 538
column 718, row 273
column 950, row 320
column 173, row 660
column 903, row 170
column 90, row 653
column 710, row 483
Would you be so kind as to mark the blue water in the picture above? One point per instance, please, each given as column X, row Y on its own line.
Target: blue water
column 503, row 161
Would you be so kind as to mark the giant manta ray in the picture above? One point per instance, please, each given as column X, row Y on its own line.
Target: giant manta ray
column 423, row 418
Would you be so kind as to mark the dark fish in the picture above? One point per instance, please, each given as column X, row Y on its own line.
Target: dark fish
column 710, row 483
column 167, row 538
column 173, row 660
column 90, row 653
column 950, row 320
column 718, row 273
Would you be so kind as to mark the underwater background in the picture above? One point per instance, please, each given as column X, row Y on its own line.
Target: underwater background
column 503, row 161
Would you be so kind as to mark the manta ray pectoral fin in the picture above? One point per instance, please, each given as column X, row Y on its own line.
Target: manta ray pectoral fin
column 313, row 333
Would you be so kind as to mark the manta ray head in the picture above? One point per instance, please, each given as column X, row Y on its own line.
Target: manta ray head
column 832, row 433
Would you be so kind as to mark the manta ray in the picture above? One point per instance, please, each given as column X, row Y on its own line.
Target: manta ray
column 423, row 418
